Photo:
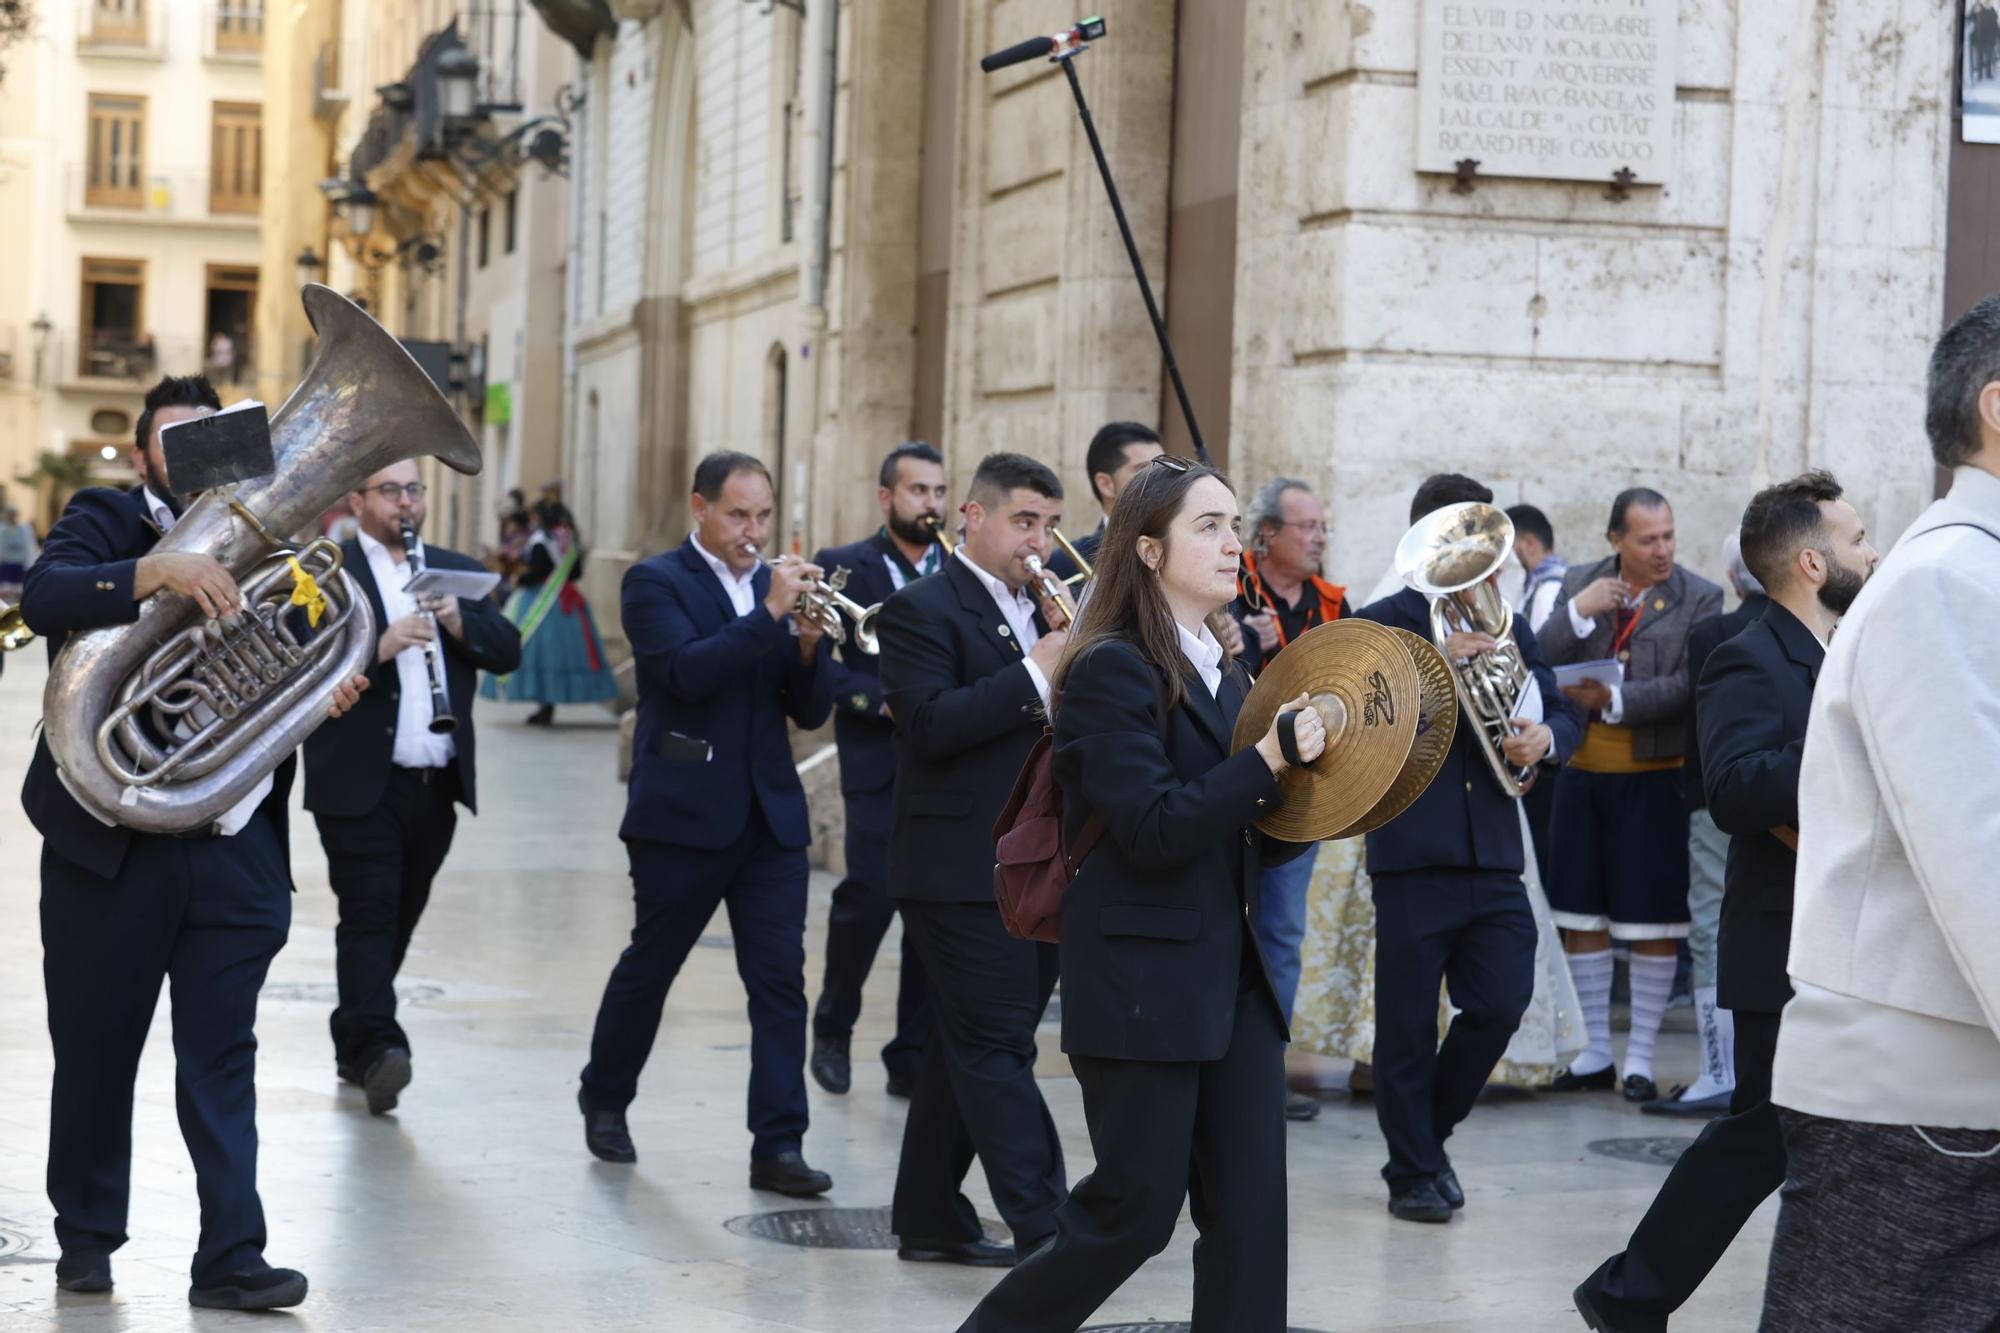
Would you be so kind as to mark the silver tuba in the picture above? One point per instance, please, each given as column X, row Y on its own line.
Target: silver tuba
column 1450, row 556
column 163, row 724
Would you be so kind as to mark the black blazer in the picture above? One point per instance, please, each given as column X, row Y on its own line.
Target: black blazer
column 1086, row 546
column 715, row 689
column 1156, row 924
column 966, row 716
column 83, row 580
column 1703, row 639
column 347, row 759
column 1463, row 820
column 1754, row 697
column 866, row 738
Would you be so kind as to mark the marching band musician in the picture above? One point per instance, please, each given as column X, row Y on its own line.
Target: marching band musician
column 911, row 490
column 1170, row 1018
column 715, row 812
column 1116, row 454
column 122, row 910
column 382, row 785
column 1450, row 906
column 966, row 661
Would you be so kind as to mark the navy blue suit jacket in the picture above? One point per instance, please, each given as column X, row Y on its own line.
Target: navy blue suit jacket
column 715, row 689
column 1463, row 821
column 347, row 759
column 1706, row 636
column 867, row 739
column 83, row 580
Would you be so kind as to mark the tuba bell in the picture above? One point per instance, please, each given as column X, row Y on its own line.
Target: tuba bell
column 1450, row 556
column 162, row 725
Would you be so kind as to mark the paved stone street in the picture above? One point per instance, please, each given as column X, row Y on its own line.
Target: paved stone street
column 475, row 1206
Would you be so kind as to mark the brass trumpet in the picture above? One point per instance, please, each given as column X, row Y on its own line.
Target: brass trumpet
column 935, row 522
column 1058, row 607
column 824, row 604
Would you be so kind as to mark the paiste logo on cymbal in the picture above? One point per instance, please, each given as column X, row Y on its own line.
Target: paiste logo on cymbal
column 1378, row 708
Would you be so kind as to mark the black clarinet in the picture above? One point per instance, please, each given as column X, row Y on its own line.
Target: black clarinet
column 442, row 721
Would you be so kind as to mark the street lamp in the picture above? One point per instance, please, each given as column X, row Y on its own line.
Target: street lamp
column 42, row 329
column 359, row 208
column 309, row 266
column 458, row 78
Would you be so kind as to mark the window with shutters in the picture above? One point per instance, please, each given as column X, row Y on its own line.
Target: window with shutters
column 118, row 22
column 236, row 159
column 239, row 27
column 115, row 176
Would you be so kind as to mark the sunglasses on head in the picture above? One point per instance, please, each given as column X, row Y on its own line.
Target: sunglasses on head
column 1171, row 463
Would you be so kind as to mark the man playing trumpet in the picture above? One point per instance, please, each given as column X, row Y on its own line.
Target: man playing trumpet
column 716, row 814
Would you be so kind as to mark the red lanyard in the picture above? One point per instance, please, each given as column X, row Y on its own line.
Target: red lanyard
column 1628, row 621
column 1329, row 601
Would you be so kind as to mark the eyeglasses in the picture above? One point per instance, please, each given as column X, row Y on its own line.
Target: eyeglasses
column 1311, row 527
column 390, row 491
column 1171, row 463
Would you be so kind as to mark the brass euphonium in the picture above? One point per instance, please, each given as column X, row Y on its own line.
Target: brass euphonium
column 1450, row 556
column 163, row 724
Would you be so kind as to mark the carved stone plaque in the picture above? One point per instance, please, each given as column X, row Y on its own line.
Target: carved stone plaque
column 1556, row 89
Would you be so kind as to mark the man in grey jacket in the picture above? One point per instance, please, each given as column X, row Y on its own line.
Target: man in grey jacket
column 1620, row 821
column 1887, row 1077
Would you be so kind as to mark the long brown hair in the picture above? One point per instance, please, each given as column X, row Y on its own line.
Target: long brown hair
column 1126, row 601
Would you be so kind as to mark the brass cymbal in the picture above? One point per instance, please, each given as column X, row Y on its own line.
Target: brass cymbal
column 1366, row 687
column 1437, row 722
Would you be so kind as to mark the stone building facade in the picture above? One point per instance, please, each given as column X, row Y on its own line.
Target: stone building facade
column 812, row 235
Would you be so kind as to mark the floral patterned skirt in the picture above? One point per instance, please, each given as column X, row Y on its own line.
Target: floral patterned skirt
column 1335, row 1013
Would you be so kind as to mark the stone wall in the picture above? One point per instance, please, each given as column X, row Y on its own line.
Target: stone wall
column 1768, row 310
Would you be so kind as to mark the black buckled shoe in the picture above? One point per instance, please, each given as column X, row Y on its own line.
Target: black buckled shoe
column 605, row 1134
column 1449, row 1188
column 971, row 1253
column 260, row 1289
column 1639, row 1088
column 1604, row 1080
column 388, row 1074
column 1678, row 1103
column 1301, row 1106
column 830, row 1067
column 787, row 1173
column 84, row 1272
column 1420, row 1202
column 901, row 1085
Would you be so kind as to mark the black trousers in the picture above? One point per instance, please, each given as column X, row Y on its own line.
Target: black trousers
column 381, row 865
column 1211, row 1132
column 210, row 914
column 1735, row 1164
column 676, row 891
column 976, row 1092
column 1540, row 804
column 861, row 913
column 1474, row 931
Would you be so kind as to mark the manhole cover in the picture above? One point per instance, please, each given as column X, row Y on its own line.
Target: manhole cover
column 11, row 1243
column 1653, row 1152
column 325, row 992
column 830, row 1228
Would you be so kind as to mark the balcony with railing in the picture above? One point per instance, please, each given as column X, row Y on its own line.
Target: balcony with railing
column 233, row 30
column 134, row 29
column 124, row 362
column 121, row 192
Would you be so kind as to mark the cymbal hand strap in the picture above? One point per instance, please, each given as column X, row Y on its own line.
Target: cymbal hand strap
column 1288, row 738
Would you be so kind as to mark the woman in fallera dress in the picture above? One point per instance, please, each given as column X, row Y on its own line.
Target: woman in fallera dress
column 1168, row 1017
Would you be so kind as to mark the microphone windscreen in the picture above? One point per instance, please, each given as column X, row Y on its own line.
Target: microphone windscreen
column 1020, row 51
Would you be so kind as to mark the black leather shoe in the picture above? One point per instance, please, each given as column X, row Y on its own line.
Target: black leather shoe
column 971, row 1253
column 1361, row 1079
column 901, row 1085
column 1450, row 1190
column 1421, row 1202
column 830, row 1068
column 347, row 1072
column 1598, row 1312
column 1604, row 1080
column 787, row 1173
column 604, row 1133
column 543, row 716
column 1300, row 1106
column 1693, row 1108
column 388, row 1074
column 1639, row 1088
column 264, row 1289
column 84, row 1273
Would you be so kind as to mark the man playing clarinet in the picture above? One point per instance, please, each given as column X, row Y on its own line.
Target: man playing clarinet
column 384, row 782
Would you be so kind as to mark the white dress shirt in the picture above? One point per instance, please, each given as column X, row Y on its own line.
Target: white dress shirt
column 742, row 588
column 1019, row 609
column 236, row 816
column 1204, row 654
column 416, row 745
column 1581, row 625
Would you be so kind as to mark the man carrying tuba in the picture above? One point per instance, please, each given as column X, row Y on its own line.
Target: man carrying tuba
column 122, row 910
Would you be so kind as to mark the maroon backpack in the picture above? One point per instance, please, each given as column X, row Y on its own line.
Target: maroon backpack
column 1031, row 865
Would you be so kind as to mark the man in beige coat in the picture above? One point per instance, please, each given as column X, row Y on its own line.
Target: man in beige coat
column 1888, row 1066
